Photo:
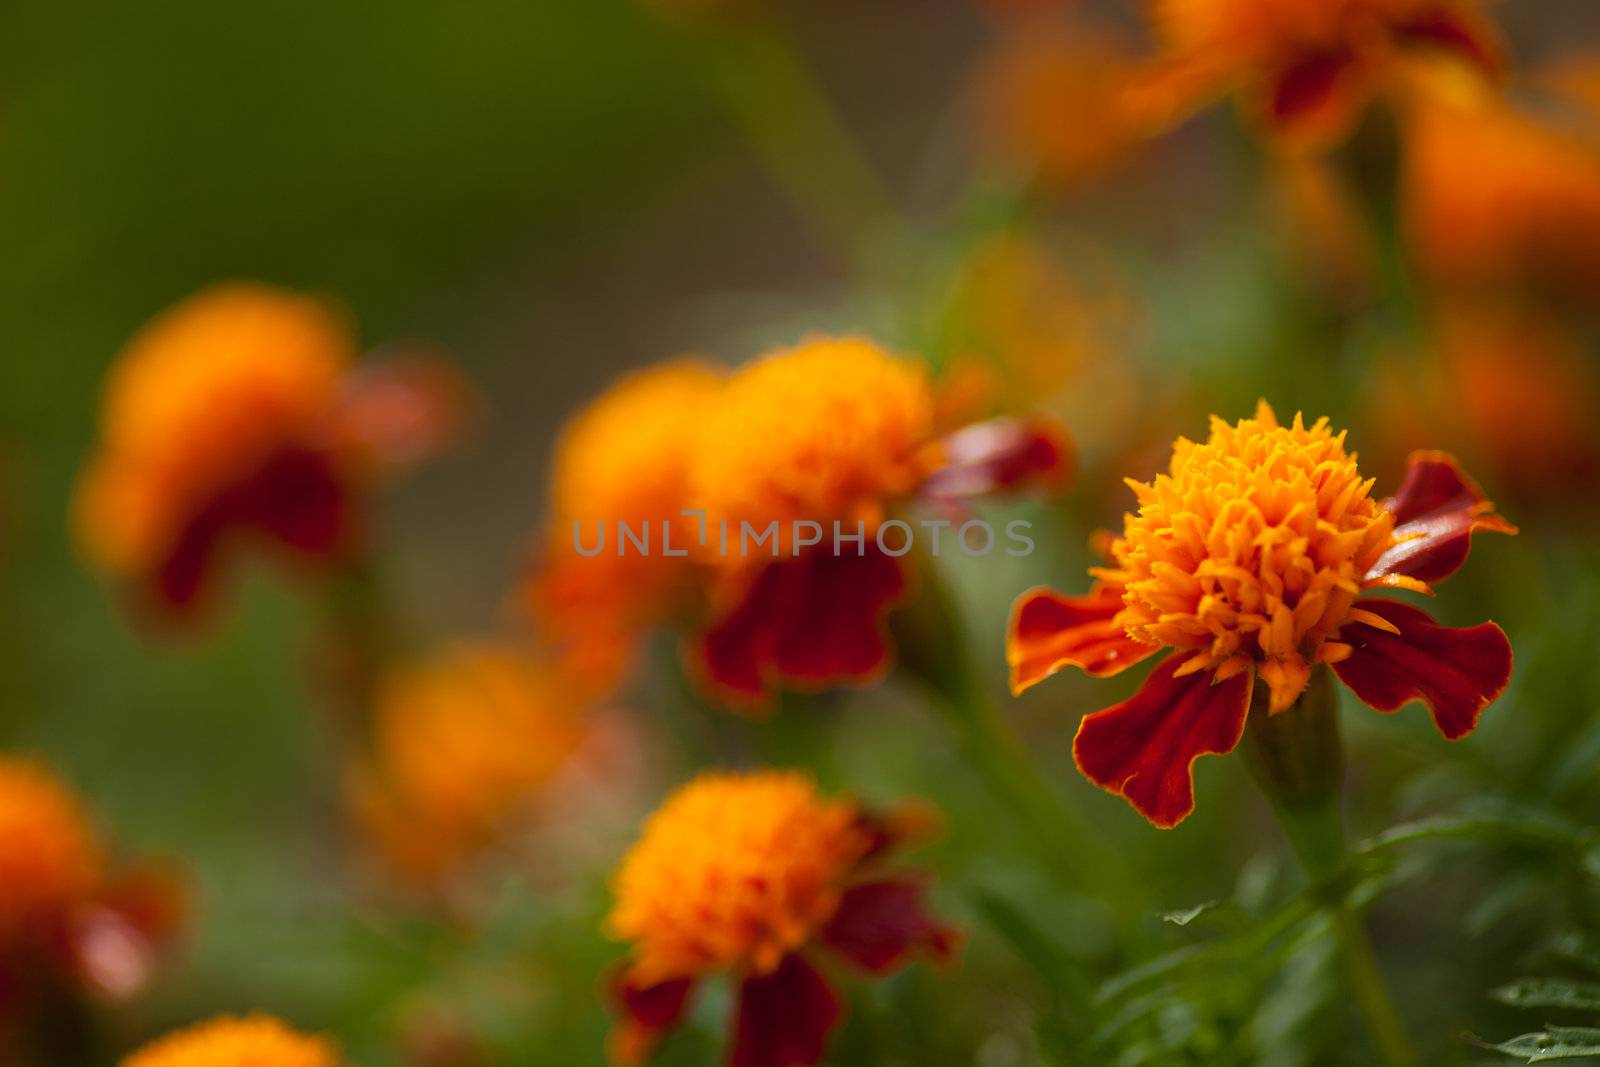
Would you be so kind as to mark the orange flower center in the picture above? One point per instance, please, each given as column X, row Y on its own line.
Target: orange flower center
column 734, row 871
column 49, row 857
column 831, row 429
column 230, row 1042
column 461, row 742
column 1251, row 549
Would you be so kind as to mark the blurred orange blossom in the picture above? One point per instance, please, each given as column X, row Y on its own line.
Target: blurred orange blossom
column 751, row 875
column 237, row 416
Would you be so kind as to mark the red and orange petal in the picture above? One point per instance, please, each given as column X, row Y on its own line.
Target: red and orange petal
column 1436, row 510
column 199, row 400
column 1306, row 68
column 806, row 622
column 1496, row 199
column 1454, row 672
column 461, row 743
column 1145, row 748
column 236, row 1042
column 621, row 460
column 1052, row 102
column 50, row 858
column 1049, row 631
column 834, row 428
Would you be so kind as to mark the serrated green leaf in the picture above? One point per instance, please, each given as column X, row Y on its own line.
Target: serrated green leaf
column 1185, row 916
column 1550, row 993
column 1553, row 1043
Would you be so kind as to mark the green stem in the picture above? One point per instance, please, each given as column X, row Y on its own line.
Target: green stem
column 1297, row 760
column 934, row 648
column 770, row 93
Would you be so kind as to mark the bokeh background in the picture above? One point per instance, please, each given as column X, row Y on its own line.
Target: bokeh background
column 554, row 192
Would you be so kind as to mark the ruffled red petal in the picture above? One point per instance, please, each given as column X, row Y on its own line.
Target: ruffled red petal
column 998, row 455
column 808, row 622
column 648, row 1013
column 1316, row 97
column 1455, row 672
column 1145, row 747
column 879, row 926
column 1436, row 510
column 785, row 1017
column 1049, row 631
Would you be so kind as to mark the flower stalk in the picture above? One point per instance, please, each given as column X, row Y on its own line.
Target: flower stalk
column 1297, row 757
column 933, row 649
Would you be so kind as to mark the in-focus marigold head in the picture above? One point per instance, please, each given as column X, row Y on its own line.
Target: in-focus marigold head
column 833, row 428
column 461, row 742
column 1251, row 549
column 50, row 858
column 1249, row 560
column 752, row 875
column 253, row 1041
column 1306, row 68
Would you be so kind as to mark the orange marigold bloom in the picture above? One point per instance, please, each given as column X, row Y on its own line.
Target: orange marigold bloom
column 745, row 874
column 254, row 1041
column 234, row 413
column 1248, row 559
column 1495, row 199
column 1053, row 100
column 1307, row 68
column 831, row 436
column 620, row 460
column 833, row 428
column 461, row 742
column 50, row 858
column 68, row 920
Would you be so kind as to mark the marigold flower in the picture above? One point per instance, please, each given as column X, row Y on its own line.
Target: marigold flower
column 461, row 742
column 1307, row 68
column 66, row 914
column 620, row 460
column 1248, row 560
column 50, row 858
column 752, row 875
column 1052, row 99
column 1495, row 199
column 234, row 415
column 253, row 1041
column 837, row 433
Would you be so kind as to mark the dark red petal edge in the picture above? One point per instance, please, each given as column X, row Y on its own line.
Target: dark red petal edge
column 647, row 1014
column 785, row 1018
column 1436, row 510
column 999, row 455
column 808, row 622
column 1145, row 747
column 880, row 925
column 1455, row 672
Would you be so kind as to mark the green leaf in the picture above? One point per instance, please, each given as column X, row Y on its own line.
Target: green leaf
column 1550, row 993
column 1554, row 1043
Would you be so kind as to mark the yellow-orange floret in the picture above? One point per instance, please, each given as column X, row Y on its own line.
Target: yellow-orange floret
column 256, row 1041
column 461, row 741
column 1252, row 550
column 196, row 400
column 830, row 429
column 50, row 858
column 734, row 871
